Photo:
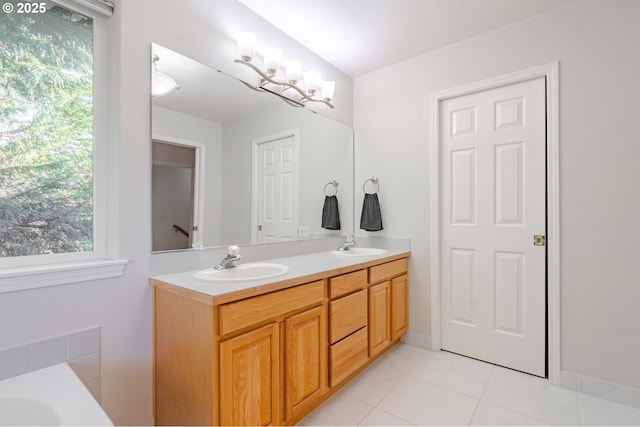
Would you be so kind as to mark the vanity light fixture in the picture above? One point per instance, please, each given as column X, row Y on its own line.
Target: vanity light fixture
column 287, row 89
column 161, row 84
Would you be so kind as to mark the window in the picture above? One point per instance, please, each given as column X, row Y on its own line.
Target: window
column 51, row 194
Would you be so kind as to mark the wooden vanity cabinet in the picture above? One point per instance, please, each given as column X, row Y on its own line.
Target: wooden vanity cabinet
column 348, row 349
column 379, row 317
column 399, row 306
column 388, row 301
column 271, row 358
column 305, row 361
column 249, row 372
column 276, row 372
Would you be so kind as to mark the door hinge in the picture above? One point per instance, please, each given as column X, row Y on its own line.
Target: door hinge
column 194, row 228
column 539, row 240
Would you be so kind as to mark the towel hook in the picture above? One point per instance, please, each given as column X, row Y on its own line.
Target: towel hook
column 374, row 180
column 335, row 186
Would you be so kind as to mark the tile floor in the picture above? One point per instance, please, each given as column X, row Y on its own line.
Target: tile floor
column 413, row 386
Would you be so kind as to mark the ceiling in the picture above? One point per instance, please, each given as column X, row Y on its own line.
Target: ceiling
column 360, row 36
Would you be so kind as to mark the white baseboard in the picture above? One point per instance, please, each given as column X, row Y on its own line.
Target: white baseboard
column 418, row 340
column 610, row 391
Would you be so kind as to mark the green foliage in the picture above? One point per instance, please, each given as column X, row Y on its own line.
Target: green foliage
column 46, row 126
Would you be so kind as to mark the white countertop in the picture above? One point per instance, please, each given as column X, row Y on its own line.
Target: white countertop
column 299, row 267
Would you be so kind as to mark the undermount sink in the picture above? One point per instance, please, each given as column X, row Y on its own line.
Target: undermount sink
column 250, row 271
column 360, row 251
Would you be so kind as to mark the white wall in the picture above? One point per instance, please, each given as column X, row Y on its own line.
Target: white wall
column 595, row 42
column 200, row 29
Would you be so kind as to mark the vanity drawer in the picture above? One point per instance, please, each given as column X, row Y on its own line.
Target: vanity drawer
column 388, row 270
column 347, row 355
column 347, row 283
column 347, row 314
column 241, row 314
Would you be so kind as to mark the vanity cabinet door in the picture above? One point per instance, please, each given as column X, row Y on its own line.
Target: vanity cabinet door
column 249, row 378
column 379, row 317
column 305, row 361
column 399, row 306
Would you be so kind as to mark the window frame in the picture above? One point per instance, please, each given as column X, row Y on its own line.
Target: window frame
column 35, row 271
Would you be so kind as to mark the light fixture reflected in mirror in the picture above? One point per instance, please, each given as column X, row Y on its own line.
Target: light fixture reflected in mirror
column 161, row 84
column 247, row 46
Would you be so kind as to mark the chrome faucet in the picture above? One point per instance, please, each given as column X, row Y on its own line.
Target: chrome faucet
column 231, row 260
column 348, row 243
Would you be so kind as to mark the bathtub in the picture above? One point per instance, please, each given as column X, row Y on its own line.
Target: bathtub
column 49, row 396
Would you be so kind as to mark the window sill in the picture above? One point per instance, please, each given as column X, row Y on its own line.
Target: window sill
column 16, row 279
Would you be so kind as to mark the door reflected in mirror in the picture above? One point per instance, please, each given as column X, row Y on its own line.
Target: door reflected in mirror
column 173, row 178
column 259, row 167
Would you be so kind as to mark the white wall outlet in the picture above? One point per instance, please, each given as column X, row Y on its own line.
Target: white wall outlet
column 303, row 231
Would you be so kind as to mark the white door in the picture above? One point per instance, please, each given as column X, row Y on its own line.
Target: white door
column 277, row 188
column 493, row 294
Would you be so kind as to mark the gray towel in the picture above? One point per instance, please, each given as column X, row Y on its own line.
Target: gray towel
column 330, row 214
column 371, row 218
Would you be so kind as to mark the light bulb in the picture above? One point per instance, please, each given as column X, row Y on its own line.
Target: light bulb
column 293, row 69
column 247, row 43
column 327, row 88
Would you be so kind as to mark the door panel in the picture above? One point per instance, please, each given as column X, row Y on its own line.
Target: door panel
column 379, row 317
column 305, row 375
column 399, row 306
column 493, row 203
column 277, row 190
column 249, row 366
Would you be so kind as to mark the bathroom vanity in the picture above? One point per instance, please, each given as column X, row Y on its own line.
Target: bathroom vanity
column 267, row 352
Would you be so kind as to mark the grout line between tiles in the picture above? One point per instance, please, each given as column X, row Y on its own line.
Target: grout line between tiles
column 474, row 412
column 493, row 368
column 366, row 415
column 394, row 415
column 443, row 386
column 578, row 408
column 518, row 412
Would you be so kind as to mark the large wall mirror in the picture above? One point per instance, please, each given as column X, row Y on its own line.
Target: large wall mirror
column 232, row 165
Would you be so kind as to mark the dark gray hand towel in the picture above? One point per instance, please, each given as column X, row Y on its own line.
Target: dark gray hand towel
column 330, row 214
column 371, row 218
